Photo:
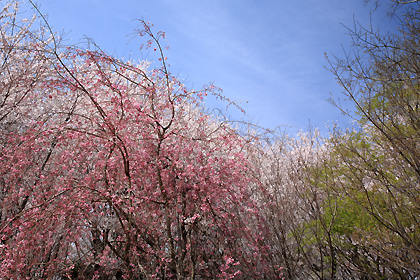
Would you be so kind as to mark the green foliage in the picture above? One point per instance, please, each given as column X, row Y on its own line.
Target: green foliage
column 347, row 218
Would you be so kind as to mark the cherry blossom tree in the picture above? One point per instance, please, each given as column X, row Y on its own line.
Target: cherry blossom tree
column 111, row 168
column 297, row 204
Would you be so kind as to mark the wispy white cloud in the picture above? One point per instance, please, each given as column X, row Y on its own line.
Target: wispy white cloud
column 267, row 52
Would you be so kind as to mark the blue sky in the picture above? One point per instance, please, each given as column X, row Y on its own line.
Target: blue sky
column 268, row 53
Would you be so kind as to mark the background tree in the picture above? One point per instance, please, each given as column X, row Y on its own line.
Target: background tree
column 347, row 207
column 292, row 174
column 379, row 164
